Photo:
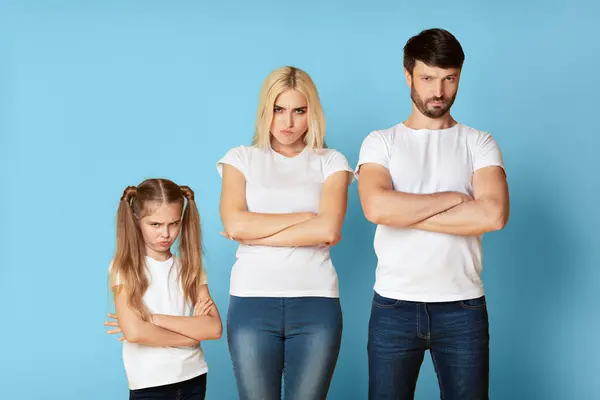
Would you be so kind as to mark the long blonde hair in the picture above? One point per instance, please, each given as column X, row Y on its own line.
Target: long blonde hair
column 129, row 263
column 276, row 83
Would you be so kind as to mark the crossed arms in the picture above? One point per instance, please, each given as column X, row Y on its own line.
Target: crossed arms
column 445, row 212
column 167, row 330
column 293, row 229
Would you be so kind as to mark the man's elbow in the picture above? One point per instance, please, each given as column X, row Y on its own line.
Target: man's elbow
column 499, row 219
column 376, row 213
column 373, row 210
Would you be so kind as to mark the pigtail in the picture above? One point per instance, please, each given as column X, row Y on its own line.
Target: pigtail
column 129, row 262
column 190, row 247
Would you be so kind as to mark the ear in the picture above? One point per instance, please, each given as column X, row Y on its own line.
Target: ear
column 408, row 77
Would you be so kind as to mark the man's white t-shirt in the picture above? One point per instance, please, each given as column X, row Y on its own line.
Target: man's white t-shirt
column 417, row 265
column 277, row 184
column 150, row 366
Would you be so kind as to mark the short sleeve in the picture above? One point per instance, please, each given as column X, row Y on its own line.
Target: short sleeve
column 117, row 277
column 235, row 157
column 375, row 149
column 335, row 162
column 486, row 152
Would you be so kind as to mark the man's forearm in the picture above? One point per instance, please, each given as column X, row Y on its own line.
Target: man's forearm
column 467, row 219
column 399, row 209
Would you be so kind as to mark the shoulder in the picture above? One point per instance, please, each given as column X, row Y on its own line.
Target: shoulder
column 250, row 152
column 238, row 150
column 114, row 277
column 472, row 133
column 327, row 154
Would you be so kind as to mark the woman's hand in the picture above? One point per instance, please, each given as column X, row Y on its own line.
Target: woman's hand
column 203, row 307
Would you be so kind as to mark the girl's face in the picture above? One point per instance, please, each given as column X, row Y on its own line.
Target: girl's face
column 160, row 227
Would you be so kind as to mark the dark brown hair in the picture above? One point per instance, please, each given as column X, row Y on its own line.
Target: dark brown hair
column 434, row 47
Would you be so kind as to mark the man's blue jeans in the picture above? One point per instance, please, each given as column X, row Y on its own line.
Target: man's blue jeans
column 456, row 333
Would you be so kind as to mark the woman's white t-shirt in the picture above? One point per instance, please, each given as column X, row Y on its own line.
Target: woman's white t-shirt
column 277, row 184
column 150, row 366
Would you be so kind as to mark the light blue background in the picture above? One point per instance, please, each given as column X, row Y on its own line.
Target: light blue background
column 98, row 95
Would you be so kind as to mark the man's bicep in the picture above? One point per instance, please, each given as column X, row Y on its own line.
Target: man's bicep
column 373, row 182
column 490, row 183
column 373, row 177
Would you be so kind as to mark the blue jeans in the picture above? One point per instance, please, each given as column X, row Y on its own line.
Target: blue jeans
column 191, row 389
column 297, row 338
column 456, row 333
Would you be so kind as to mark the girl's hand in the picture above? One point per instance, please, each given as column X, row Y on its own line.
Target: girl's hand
column 115, row 323
column 226, row 235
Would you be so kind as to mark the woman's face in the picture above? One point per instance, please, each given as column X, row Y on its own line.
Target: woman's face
column 290, row 117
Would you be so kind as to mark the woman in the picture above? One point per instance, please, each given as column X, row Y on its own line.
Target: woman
column 164, row 309
column 284, row 200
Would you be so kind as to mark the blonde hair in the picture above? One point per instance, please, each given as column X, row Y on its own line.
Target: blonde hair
column 129, row 263
column 276, row 83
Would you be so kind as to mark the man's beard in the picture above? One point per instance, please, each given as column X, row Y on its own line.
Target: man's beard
column 435, row 112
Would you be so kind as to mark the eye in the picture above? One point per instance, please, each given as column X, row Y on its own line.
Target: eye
column 277, row 109
column 155, row 224
column 426, row 78
column 175, row 223
column 300, row 111
column 451, row 78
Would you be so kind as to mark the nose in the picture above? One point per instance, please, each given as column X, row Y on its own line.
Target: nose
column 439, row 89
column 164, row 232
column 289, row 120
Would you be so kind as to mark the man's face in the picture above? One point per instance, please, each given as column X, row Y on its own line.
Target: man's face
column 433, row 89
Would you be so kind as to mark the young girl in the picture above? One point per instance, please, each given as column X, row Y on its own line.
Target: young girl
column 284, row 200
column 164, row 309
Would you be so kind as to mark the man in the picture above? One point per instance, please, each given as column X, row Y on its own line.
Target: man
column 433, row 186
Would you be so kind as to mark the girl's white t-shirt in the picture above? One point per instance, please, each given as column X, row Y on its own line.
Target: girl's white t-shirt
column 277, row 184
column 150, row 366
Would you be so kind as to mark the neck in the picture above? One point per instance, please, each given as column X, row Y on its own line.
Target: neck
column 158, row 255
column 417, row 120
column 288, row 150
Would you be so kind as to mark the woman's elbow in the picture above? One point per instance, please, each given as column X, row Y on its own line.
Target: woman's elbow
column 235, row 228
column 215, row 333
column 232, row 230
column 218, row 333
